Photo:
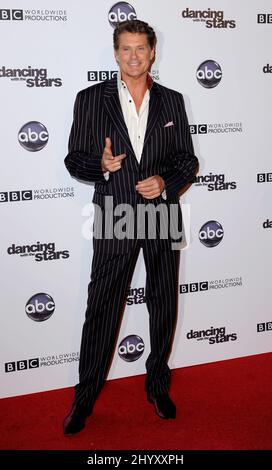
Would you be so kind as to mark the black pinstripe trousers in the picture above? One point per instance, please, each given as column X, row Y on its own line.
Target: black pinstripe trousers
column 110, row 278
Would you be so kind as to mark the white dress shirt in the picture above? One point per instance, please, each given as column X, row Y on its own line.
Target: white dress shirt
column 135, row 122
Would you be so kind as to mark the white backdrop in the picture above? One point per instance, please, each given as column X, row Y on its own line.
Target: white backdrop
column 224, row 287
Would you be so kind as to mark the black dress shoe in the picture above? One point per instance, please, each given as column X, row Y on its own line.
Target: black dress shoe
column 75, row 421
column 164, row 406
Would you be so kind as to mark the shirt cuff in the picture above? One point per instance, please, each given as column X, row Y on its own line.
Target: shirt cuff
column 164, row 195
column 106, row 175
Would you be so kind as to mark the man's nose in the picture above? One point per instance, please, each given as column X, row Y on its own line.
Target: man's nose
column 134, row 53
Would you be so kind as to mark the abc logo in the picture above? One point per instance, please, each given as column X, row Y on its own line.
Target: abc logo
column 33, row 136
column 211, row 233
column 121, row 11
column 209, row 74
column 131, row 348
column 40, row 307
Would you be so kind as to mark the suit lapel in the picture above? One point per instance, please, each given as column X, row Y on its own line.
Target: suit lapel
column 114, row 110
column 155, row 105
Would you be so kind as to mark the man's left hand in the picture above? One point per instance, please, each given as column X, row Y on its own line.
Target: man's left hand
column 151, row 187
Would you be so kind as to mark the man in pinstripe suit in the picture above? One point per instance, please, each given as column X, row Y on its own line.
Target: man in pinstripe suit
column 130, row 137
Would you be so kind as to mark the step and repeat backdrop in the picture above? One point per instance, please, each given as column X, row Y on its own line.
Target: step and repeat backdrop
column 218, row 54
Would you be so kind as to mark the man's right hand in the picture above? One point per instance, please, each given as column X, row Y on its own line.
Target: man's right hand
column 109, row 162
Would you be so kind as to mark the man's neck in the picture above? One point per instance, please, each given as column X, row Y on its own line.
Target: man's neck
column 137, row 85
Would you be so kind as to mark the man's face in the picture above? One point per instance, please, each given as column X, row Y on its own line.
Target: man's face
column 134, row 54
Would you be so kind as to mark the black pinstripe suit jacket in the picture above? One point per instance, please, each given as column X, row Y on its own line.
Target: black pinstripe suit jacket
column 167, row 151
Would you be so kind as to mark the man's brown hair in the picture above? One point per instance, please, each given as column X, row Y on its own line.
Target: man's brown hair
column 134, row 26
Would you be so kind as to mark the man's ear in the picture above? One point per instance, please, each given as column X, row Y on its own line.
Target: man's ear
column 115, row 55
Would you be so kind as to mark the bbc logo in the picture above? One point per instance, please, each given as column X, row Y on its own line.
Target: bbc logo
column 15, row 15
column 101, row 76
column 198, row 129
column 264, row 177
column 264, row 326
column 14, row 196
column 193, row 287
column 264, row 18
column 22, row 365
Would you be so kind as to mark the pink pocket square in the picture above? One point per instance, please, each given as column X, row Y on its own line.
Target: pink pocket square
column 170, row 123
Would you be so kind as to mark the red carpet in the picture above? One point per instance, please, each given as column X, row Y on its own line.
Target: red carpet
column 223, row 405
